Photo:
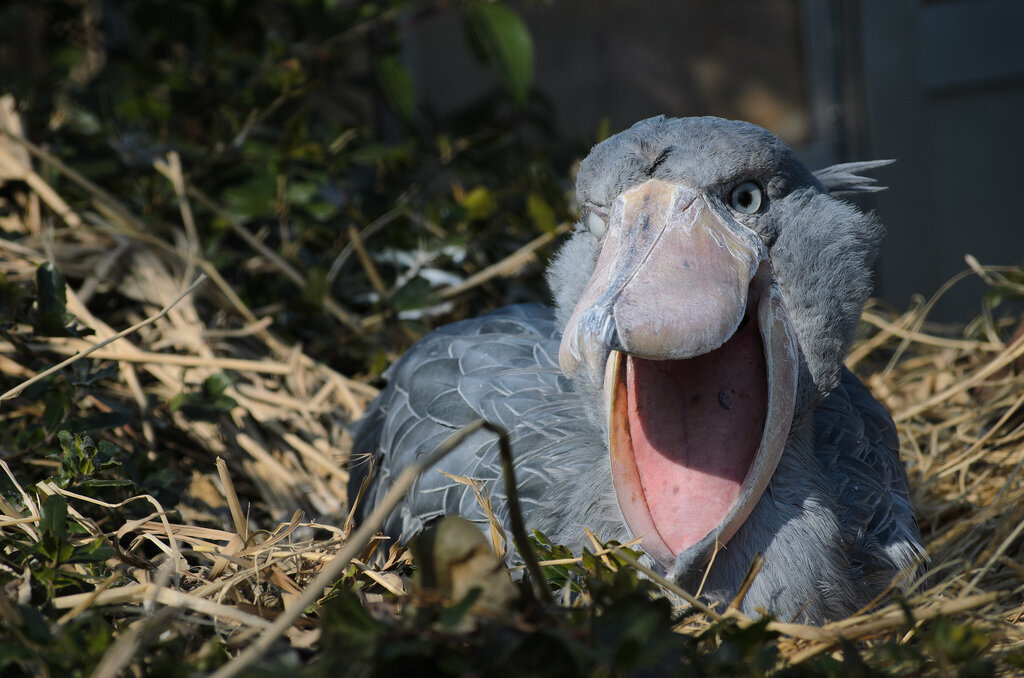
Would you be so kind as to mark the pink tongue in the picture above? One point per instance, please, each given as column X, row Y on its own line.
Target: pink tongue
column 695, row 426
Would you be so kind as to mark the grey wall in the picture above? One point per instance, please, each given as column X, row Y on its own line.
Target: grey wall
column 944, row 85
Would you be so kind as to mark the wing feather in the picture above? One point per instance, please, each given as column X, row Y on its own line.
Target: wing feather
column 858, row 447
column 501, row 367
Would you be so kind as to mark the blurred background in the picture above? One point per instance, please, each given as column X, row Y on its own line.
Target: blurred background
column 936, row 84
column 311, row 117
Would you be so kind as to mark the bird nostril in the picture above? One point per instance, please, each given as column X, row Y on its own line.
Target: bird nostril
column 599, row 325
column 595, row 338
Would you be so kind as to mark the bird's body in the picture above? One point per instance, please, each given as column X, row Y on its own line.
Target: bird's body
column 611, row 422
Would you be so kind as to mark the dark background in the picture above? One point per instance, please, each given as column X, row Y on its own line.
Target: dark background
column 937, row 85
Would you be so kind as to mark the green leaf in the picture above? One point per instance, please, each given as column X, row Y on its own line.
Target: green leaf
column 300, row 192
column 81, row 374
column 502, row 41
column 209, row 403
column 95, row 551
column 67, row 443
column 452, row 617
column 479, row 203
column 13, row 300
column 317, row 286
column 322, row 210
column 254, row 198
column 216, row 384
column 414, row 295
column 541, row 213
column 52, row 302
column 53, row 522
column 106, row 483
column 53, row 413
column 53, row 531
column 1014, row 660
column 398, row 86
column 101, row 421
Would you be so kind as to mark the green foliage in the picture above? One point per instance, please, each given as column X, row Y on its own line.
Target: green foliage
column 398, row 85
column 82, row 461
column 622, row 630
column 52, row 319
column 33, row 645
column 502, row 42
column 54, row 551
column 44, row 308
column 300, row 119
column 615, row 623
column 60, row 539
column 209, row 402
column 29, row 310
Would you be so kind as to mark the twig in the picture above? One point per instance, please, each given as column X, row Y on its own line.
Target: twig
column 111, row 202
column 89, row 599
column 129, row 642
column 123, row 333
column 515, row 515
column 861, row 628
column 368, row 266
column 506, row 266
column 748, row 581
column 149, row 357
column 601, row 552
column 349, row 249
column 1013, row 351
column 667, row 585
column 342, row 314
column 355, row 545
column 992, row 561
column 42, row 189
column 927, row 339
column 171, row 169
column 922, row 313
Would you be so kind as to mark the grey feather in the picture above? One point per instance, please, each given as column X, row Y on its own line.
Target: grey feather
column 826, row 291
column 846, row 178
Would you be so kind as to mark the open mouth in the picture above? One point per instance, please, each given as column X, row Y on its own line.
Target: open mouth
column 694, row 440
column 684, row 325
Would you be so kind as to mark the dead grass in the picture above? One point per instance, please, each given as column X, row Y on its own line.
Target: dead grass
column 957, row 401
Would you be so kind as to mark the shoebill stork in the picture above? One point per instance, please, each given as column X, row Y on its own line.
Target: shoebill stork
column 687, row 389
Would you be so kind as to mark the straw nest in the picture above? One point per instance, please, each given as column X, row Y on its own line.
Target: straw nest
column 239, row 553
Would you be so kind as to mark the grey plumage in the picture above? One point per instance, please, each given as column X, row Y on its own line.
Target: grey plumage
column 835, row 523
column 847, row 178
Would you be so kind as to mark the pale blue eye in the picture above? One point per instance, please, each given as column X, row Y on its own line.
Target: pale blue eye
column 596, row 225
column 746, row 198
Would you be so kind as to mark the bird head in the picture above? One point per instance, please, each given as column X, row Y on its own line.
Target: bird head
column 708, row 299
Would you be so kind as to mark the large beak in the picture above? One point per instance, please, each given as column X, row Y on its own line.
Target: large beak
column 684, row 325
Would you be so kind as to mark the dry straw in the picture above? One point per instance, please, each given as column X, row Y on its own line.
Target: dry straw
column 239, row 554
